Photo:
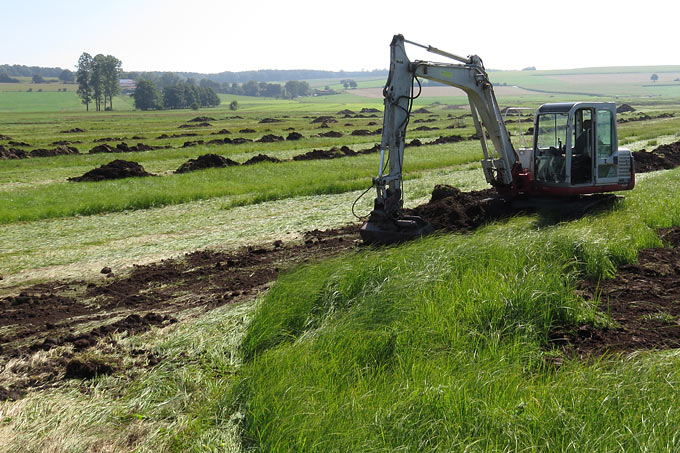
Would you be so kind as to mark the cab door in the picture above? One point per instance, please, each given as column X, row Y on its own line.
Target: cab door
column 606, row 145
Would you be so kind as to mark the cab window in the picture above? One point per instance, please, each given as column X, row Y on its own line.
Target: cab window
column 552, row 131
column 605, row 133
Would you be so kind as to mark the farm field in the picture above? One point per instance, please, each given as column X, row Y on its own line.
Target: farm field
column 232, row 308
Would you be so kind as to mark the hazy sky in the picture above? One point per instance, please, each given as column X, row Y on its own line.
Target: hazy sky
column 213, row 36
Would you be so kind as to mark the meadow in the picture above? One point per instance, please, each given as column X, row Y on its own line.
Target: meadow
column 440, row 344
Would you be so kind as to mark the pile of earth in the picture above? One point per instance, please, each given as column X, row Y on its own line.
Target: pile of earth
column 205, row 161
column 186, row 134
column 17, row 153
column 247, row 130
column 624, row 108
column 5, row 137
column 61, row 150
column 644, row 117
column 65, row 142
column 270, row 120
column 109, row 139
column 221, row 132
column 294, row 136
column 663, row 157
column 201, row 119
column 270, row 138
column 331, row 134
column 16, row 143
column 116, row 169
column 451, row 209
column 324, row 119
column 261, row 158
column 332, row 153
column 369, row 110
column 123, row 147
column 203, row 124
column 73, row 131
column 426, row 128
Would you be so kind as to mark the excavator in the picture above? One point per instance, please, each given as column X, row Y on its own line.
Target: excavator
column 575, row 160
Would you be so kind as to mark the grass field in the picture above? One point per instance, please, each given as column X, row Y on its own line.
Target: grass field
column 440, row 344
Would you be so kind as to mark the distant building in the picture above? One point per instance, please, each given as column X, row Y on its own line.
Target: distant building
column 127, row 85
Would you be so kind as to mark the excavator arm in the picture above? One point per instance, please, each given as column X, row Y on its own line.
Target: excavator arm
column 500, row 165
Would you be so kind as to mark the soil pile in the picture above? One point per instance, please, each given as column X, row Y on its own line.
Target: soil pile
column 369, row 110
column 87, row 368
column 451, row 209
column 624, row 108
column 201, row 119
column 663, row 157
column 241, row 140
column 345, row 112
column 221, row 132
column 186, row 134
column 361, row 132
column 117, row 169
column 269, row 120
column 641, row 300
column 331, row 134
column 16, row 143
column 294, row 136
column 422, row 110
column 58, row 151
column 426, row 128
column 192, row 143
column 102, row 149
column 12, row 153
column 261, row 158
column 270, row 138
column 203, row 124
column 332, row 153
column 324, row 119
column 5, row 137
column 65, row 142
column 73, row 131
column 205, row 161
column 247, row 130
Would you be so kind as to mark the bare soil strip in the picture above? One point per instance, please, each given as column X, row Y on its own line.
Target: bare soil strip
column 643, row 300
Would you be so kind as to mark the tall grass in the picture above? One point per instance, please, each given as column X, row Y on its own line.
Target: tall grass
column 439, row 344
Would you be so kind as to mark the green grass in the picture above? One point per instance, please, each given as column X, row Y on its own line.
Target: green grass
column 438, row 345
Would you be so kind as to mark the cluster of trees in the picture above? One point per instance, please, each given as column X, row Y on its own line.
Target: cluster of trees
column 18, row 70
column 264, row 75
column 98, row 79
column 181, row 95
column 289, row 90
column 5, row 78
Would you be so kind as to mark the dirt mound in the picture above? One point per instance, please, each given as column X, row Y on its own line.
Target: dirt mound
column 332, row 153
column 332, row 134
column 58, row 151
column 426, row 128
column 220, row 141
column 624, row 108
column 451, row 209
column 117, row 169
column 446, row 139
column 123, row 147
column 324, row 119
column 361, row 132
column 294, row 136
column 12, row 153
column 102, row 149
column 108, row 139
column 270, row 138
column 247, row 130
column 345, row 112
column 369, row 110
column 422, row 110
column 261, row 158
column 203, row 124
column 73, row 131
column 241, row 140
column 201, row 119
column 185, row 134
column 642, row 301
column 65, row 142
column 205, row 161
column 663, row 157
column 16, row 143
column 221, row 132
column 189, row 143
column 269, row 120
column 5, row 137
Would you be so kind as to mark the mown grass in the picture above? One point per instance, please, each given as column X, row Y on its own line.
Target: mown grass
column 439, row 344
column 251, row 184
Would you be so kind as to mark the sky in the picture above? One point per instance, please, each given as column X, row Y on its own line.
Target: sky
column 210, row 36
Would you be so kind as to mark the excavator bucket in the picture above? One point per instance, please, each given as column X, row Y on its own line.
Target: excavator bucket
column 380, row 229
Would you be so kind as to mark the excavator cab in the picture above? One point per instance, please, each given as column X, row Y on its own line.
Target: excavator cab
column 575, row 150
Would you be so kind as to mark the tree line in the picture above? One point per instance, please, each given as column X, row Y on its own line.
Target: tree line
column 98, row 80
column 181, row 95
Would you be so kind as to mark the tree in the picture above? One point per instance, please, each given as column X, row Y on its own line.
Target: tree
column 37, row 78
column 97, row 80
column 111, row 70
column 353, row 84
column 173, row 97
column 147, row 96
column 67, row 76
column 83, row 77
column 4, row 78
column 654, row 78
column 251, row 88
column 233, row 105
column 168, row 79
